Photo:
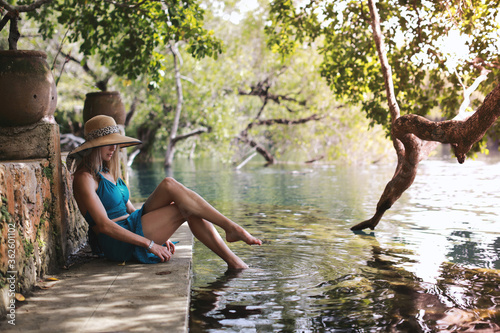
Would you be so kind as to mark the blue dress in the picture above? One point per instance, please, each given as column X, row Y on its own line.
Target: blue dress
column 114, row 198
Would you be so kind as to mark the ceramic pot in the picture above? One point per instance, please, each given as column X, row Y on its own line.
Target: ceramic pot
column 107, row 103
column 27, row 88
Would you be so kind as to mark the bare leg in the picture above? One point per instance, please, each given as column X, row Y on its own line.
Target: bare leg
column 208, row 235
column 160, row 224
column 191, row 204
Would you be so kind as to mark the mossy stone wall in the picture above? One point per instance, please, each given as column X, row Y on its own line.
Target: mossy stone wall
column 40, row 225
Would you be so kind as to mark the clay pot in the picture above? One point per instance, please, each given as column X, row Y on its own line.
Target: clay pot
column 107, row 103
column 27, row 88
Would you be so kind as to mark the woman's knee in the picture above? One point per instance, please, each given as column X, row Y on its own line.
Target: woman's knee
column 169, row 183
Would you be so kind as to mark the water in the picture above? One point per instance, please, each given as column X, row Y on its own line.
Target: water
column 431, row 265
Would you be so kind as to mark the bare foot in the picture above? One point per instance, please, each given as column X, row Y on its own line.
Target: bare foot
column 240, row 234
column 237, row 266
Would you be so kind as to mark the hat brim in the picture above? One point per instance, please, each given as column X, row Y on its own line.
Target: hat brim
column 110, row 139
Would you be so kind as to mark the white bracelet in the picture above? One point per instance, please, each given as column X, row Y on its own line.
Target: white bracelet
column 151, row 245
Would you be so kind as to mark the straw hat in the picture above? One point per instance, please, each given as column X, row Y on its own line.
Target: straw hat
column 102, row 131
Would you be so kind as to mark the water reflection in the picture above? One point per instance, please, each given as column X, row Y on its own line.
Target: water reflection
column 431, row 266
column 208, row 311
column 386, row 297
column 469, row 251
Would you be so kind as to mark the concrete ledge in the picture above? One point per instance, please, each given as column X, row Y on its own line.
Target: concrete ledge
column 103, row 296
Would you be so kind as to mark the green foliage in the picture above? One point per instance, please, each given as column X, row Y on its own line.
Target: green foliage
column 424, row 72
column 248, row 62
column 212, row 100
column 129, row 37
column 133, row 42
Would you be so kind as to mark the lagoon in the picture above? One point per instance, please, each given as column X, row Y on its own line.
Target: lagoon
column 432, row 264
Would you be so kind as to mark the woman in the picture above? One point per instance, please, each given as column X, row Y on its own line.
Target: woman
column 123, row 232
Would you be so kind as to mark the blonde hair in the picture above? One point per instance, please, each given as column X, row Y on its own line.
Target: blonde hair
column 93, row 163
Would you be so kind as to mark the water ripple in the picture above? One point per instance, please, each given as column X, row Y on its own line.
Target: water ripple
column 433, row 263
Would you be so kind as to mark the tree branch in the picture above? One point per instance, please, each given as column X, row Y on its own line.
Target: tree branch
column 468, row 91
column 6, row 19
column 259, row 148
column 284, row 121
column 126, row 5
column 382, row 54
column 59, row 49
column 260, row 92
column 14, row 31
column 190, row 134
column 131, row 112
column 24, row 8
column 100, row 84
column 415, row 136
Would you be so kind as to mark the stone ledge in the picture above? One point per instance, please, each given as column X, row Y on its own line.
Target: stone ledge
column 29, row 142
column 105, row 296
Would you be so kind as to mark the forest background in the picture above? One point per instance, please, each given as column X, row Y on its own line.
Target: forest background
column 221, row 95
column 296, row 83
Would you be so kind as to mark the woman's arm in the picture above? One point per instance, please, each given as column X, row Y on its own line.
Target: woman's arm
column 88, row 200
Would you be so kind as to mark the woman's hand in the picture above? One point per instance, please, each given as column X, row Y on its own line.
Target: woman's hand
column 162, row 252
column 171, row 247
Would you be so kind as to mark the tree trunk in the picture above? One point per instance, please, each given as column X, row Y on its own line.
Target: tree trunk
column 13, row 17
column 169, row 155
column 146, row 132
column 414, row 137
